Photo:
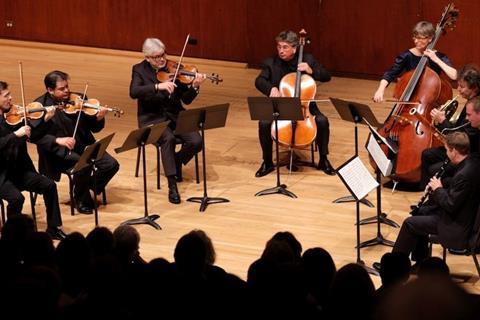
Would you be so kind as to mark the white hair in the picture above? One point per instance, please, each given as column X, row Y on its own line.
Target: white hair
column 151, row 45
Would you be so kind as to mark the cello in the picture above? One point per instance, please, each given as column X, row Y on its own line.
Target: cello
column 429, row 90
column 297, row 134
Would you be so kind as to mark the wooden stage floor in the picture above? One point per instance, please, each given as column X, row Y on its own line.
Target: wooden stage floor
column 239, row 229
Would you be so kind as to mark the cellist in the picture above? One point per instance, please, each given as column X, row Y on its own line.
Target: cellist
column 267, row 82
column 423, row 33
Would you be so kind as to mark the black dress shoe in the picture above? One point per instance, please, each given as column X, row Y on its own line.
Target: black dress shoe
column 377, row 266
column 83, row 208
column 56, row 233
column 325, row 165
column 173, row 195
column 264, row 170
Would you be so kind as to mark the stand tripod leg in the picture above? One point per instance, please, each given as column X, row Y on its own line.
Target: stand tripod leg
column 352, row 199
column 205, row 201
column 150, row 220
column 280, row 189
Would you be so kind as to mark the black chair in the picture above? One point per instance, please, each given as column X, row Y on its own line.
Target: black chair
column 33, row 199
column 158, row 148
column 472, row 248
column 72, row 199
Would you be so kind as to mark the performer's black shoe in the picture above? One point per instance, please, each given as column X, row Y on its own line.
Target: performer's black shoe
column 264, row 170
column 83, row 208
column 56, row 233
column 377, row 266
column 325, row 165
column 173, row 195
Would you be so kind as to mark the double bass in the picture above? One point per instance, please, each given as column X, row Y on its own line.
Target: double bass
column 297, row 134
column 425, row 87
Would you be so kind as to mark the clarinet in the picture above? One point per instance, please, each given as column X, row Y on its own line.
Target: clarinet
column 428, row 190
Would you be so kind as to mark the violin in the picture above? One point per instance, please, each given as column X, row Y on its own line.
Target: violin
column 186, row 73
column 89, row 107
column 17, row 114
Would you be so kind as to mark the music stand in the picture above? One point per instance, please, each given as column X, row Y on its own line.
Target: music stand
column 274, row 109
column 89, row 157
column 356, row 113
column 202, row 119
column 359, row 182
column 140, row 138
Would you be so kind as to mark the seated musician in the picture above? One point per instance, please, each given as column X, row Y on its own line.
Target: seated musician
column 450, row 211
column 162, row 101
column 59, row 149
column 423, row 34
column 17, row 172
column 268, row 81
column 432, row 158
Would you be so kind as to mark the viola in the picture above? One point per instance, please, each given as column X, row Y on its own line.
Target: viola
column 186, row 73
column 89, row 107
column 17, row 114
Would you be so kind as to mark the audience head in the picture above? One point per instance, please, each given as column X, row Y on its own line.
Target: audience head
column 395, row 268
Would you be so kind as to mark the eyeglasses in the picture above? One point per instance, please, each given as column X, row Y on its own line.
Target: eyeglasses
column 420, row 38
column 157, row 57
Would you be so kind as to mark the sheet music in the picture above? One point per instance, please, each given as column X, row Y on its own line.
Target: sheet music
column 358, row 178
column 383, row 163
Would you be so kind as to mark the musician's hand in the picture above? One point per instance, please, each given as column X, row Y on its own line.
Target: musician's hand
column 199, row 78
column 304, row 67
column 432, row 54
column 437, row 115
column 166, row 86
column 67, row 142
column 378, row 96
column 49, row 113
column 275, row 92
column 101, row 113
column 435, row 183
column 23, row 131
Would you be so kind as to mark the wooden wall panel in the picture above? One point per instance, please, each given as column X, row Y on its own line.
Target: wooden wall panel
column 350, row 37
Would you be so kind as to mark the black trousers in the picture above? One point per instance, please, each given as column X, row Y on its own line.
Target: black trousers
column 11, row 189
column 191, row 144
column 322, row 139
column 432, row 161
column 107, row 167
column 413, row 235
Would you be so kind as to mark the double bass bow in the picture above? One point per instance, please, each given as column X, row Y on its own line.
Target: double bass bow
column 425, row 87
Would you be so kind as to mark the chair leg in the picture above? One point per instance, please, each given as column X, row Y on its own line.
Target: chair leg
column 32, row 204
column 475, row 260
column 197, row 174
column 104, row 197
column 313, row 153
column 70, row 191
column 138, row 161
column 444, row 254
column 158, row 168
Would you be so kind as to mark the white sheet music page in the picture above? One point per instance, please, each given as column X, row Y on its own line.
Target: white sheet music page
column 379, row 156
column 358, row 178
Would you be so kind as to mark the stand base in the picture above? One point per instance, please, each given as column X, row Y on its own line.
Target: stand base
column 379, row 239
column 150, row 220
column 367, row 268
column 281, row 189
column 205, row 201
column 352, row 199
column 381, row 219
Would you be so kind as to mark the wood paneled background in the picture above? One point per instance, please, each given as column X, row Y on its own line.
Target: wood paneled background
column 350, row 37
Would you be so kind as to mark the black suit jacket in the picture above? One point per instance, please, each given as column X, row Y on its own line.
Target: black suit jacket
column 62, row 125
column 156, row 106
column 459, row 204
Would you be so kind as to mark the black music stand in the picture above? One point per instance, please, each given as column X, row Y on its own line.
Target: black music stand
column 140, row 138
column 356, row 113
column 202, row 119
column 274, row 109
column 89, row 157
column 359, row 182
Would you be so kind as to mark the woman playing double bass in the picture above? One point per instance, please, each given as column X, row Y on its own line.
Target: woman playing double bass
column 423, row 34
column 268, row 81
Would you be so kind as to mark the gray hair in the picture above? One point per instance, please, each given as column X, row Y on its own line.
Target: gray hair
column 151, row 45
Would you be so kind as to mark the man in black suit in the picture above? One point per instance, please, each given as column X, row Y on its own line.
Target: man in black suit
column 59, row 149
column 162, row 101
column 450, row 212
column 17, row 172
column 268, row 83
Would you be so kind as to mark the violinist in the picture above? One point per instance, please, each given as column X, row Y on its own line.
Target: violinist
column 423, row 33
column 267, row 82
column 17, row 172
column 59, row 150
column 432, row 158
column 162, row 101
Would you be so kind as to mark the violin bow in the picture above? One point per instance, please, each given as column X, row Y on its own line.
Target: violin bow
column 181, row 58
column 79, row 113
column 20, row 69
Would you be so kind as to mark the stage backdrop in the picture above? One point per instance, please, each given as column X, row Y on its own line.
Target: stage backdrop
column 350, row 37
